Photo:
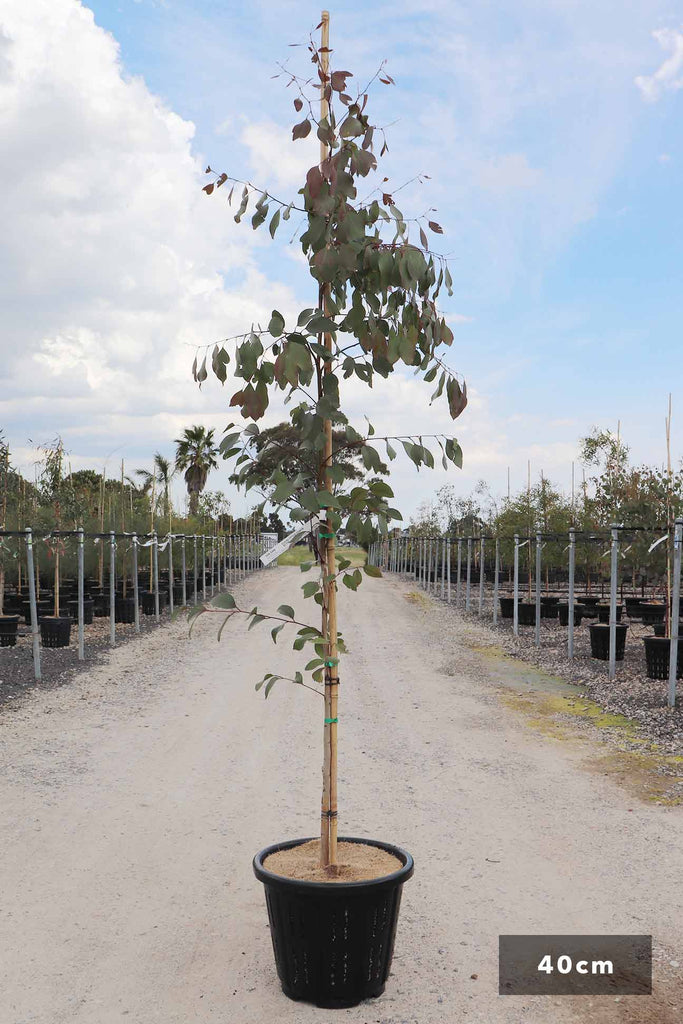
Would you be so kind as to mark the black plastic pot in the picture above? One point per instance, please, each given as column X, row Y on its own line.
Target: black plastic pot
column 55, row 631
column 657, row 653
column 507, row 607
column 147, row 601
column 8, row 630
column 603, row 613
column 526, row 611
column 101, row 605
column 124, row 609
column 651, row 613
column 659, row 629
column 600, row 641
column 88, row 610
column 333, row 941
column 563, row 612
column 549, row 607
column 589, row 600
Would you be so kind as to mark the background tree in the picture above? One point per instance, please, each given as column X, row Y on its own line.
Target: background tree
column 279, row 447
column 196, row 455
column 161, row 474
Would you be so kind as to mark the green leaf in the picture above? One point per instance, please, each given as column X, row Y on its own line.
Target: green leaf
column 351, row 128
column 272, row 227
column 350, row 582
column 270, row 684
column 305, row 566
column 372, row 570
column 223, row 601
column 310, row 588
column 285, row 609
column 274, row 632
column 277, row 324
column 391, row 452
column 314, row 663
column 255, row 620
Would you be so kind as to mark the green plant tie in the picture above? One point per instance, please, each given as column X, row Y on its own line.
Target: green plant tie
column 331, row 662
column 330, row 721
column 327, row 534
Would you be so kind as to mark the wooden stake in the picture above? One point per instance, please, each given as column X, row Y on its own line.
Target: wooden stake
column 328, row 823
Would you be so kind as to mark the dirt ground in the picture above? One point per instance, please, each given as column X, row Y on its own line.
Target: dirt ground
column 133, row 799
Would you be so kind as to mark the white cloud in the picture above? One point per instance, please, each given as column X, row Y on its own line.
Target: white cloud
column 112, row 262
column 669, row 75
column 273, row 156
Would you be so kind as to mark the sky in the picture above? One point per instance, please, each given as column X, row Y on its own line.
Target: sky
column 550, row 131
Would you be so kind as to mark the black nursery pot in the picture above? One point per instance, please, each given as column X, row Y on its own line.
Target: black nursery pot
column 333, row 941
column 600, row 641
column 651, row 613
column 507, row 607
column 88, row 610
column 526, row 611
column 55, row 631
column 8, row 630
column 657, row 654
column 603, row 613
column 124, row 609
column 563, row 612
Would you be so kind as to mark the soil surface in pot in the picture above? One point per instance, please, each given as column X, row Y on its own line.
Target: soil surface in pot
column 356, row 861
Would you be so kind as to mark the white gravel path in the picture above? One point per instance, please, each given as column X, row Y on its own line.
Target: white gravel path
column 132, row 801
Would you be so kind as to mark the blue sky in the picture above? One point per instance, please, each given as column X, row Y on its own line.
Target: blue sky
column 551, row 131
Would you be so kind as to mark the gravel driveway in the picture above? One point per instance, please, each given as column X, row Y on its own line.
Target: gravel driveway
column 132, row 801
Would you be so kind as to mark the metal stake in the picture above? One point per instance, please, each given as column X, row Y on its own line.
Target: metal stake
column 155, row 562
column 481, row 574
column 81, row 614
column 136, row 591
column 112, row 587
column 614, row 571
column 170, row 572
column 458, row 573
column 570, row 599
column 675, row 612
column 539, row 550
column 515, row 592
column 194, row 568
column 35, row 629
column 469, row 574
column 183, row 565
column 496, row 572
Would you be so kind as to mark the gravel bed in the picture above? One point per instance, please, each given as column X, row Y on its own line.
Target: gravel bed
column 631, row 693
column 60, row 664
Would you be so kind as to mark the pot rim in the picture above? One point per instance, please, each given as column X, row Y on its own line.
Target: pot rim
column 282, row 881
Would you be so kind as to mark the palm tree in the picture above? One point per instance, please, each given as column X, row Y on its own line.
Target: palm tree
column 161, row 474
column 196, row 455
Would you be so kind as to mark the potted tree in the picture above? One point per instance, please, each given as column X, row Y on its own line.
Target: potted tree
column 333, row 901
column 55, row 629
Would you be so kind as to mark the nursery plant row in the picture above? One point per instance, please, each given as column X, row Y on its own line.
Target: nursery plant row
column 45, row 607
column 448, row 567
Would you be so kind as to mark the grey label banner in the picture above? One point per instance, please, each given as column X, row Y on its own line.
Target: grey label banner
column 590, row 965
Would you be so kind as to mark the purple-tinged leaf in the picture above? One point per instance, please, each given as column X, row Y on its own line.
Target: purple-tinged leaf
column 301, row 130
